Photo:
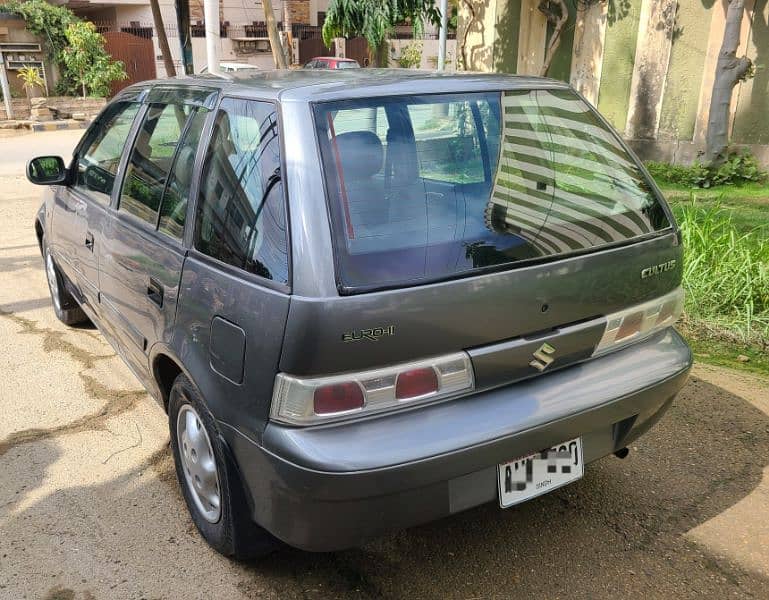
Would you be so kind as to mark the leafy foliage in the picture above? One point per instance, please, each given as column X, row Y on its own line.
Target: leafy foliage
column 85, row 56
column 375, row 19
column 738, row 169
column 52, row 23
column 411, row 55
column 31, row 78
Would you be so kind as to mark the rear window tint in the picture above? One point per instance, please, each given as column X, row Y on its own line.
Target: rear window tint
column 430, row 187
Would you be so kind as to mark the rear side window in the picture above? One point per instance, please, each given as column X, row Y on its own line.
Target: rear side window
column 173, row 209
column 429, row 187
column 151, row 160
column 241, row 217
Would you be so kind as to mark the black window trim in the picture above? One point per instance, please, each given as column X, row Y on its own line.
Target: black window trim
column 192, row 208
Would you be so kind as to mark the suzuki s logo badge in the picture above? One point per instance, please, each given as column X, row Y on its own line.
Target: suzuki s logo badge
column 543, row 357
column 657, row 269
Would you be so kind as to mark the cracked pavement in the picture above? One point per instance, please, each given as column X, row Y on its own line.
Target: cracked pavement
column 89, row 507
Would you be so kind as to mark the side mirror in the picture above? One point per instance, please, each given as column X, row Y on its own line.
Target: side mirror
column 47, row 170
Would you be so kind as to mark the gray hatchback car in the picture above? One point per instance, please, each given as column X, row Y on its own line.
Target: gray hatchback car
column 369, row 299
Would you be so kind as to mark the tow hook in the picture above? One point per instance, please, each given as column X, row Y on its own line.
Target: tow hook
column 622, row 453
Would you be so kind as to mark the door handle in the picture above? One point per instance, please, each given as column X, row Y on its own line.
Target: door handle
column 89, row 240
column 155, row 292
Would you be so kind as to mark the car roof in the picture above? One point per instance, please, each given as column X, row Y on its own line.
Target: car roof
column 318, row 85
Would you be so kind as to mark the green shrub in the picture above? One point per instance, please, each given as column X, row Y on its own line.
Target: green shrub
column 738, row 169
column 726, row 273
column 411, row 55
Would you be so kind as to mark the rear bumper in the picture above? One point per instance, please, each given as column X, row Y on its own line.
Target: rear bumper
column 331, row 487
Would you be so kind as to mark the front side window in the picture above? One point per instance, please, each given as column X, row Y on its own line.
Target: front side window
column 241, row 217
column 98, row 161
column 429, row 187
column 151, row 160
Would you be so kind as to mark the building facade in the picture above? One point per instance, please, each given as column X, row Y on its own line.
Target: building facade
column 648, row 65
column 241, row 24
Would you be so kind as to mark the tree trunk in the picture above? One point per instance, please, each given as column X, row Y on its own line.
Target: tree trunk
column 165, row 50
column 558, row 22
column 729, row 71
column 287, row 31
column 272, row 31
column 470, row 22
column 380, row 55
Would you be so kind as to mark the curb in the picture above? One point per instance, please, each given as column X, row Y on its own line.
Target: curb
column 60, row 125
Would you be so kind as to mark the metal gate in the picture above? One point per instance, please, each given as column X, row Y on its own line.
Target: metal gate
column 137, row 54
column 312, row 47
column 357, row 48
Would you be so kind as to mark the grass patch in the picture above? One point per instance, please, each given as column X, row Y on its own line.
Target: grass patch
column 726, row 272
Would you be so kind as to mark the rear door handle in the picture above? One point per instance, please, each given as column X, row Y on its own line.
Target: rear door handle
column 155, row 292
column 89, row 240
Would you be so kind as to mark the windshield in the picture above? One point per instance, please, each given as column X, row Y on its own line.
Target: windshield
column 435, row 186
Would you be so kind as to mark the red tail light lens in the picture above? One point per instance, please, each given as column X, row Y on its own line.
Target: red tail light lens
column 415, row 383
column 338, row 397
column 631, row 325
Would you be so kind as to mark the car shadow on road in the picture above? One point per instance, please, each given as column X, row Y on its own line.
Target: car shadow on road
column 619, row 532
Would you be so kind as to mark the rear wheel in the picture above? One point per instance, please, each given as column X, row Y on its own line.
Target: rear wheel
column 209, row 479
column 65, row 306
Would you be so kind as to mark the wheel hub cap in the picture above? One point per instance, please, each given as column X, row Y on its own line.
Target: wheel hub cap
column 198, row 463
column 53, row 284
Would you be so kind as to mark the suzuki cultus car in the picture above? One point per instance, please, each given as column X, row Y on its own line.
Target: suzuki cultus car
column 369, row 299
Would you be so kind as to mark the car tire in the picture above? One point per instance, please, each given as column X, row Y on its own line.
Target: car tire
column 209, row 478
column 65, row 306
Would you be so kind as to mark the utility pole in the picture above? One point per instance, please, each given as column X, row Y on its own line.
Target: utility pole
column 165, row 50
column 272, row 31
column 211, row 17
column 287, row 31
column 185, row 41
column 6, row 88
column 442, row 35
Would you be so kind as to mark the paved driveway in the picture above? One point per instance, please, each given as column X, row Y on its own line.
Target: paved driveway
column 89, row 507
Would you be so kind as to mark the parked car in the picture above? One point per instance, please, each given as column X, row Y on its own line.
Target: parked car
column 331, row 62
column 231, row 67
column 469, row 297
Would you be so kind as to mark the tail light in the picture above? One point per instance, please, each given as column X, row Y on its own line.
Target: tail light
column 641, row 321
column 310, row 400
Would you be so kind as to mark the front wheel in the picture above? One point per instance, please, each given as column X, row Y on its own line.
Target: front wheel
column 65, row 306
column 210, row 483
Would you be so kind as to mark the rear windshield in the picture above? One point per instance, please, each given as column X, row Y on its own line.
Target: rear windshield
column 436, row 186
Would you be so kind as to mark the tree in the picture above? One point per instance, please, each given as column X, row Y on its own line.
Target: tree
column 278, row 55
column 557, row 14
column 375, row 20
column 86, row 58
column 30, row 77
column 165, row 50
column 730, row 70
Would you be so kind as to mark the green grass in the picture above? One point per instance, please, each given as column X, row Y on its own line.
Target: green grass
column 726, row 272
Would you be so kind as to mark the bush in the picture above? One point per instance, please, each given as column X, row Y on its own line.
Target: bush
column 411, row 55
column 738, row 169
column 726, row 273
column 74, row 45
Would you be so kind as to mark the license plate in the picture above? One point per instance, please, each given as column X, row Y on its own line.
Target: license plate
column 540, row 472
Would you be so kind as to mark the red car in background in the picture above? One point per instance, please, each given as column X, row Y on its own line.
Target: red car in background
column 331, row 62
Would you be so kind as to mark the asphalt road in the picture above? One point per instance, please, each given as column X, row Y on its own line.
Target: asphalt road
column 89, row 507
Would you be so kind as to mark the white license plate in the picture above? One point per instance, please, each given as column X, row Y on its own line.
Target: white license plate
column 540, row 472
